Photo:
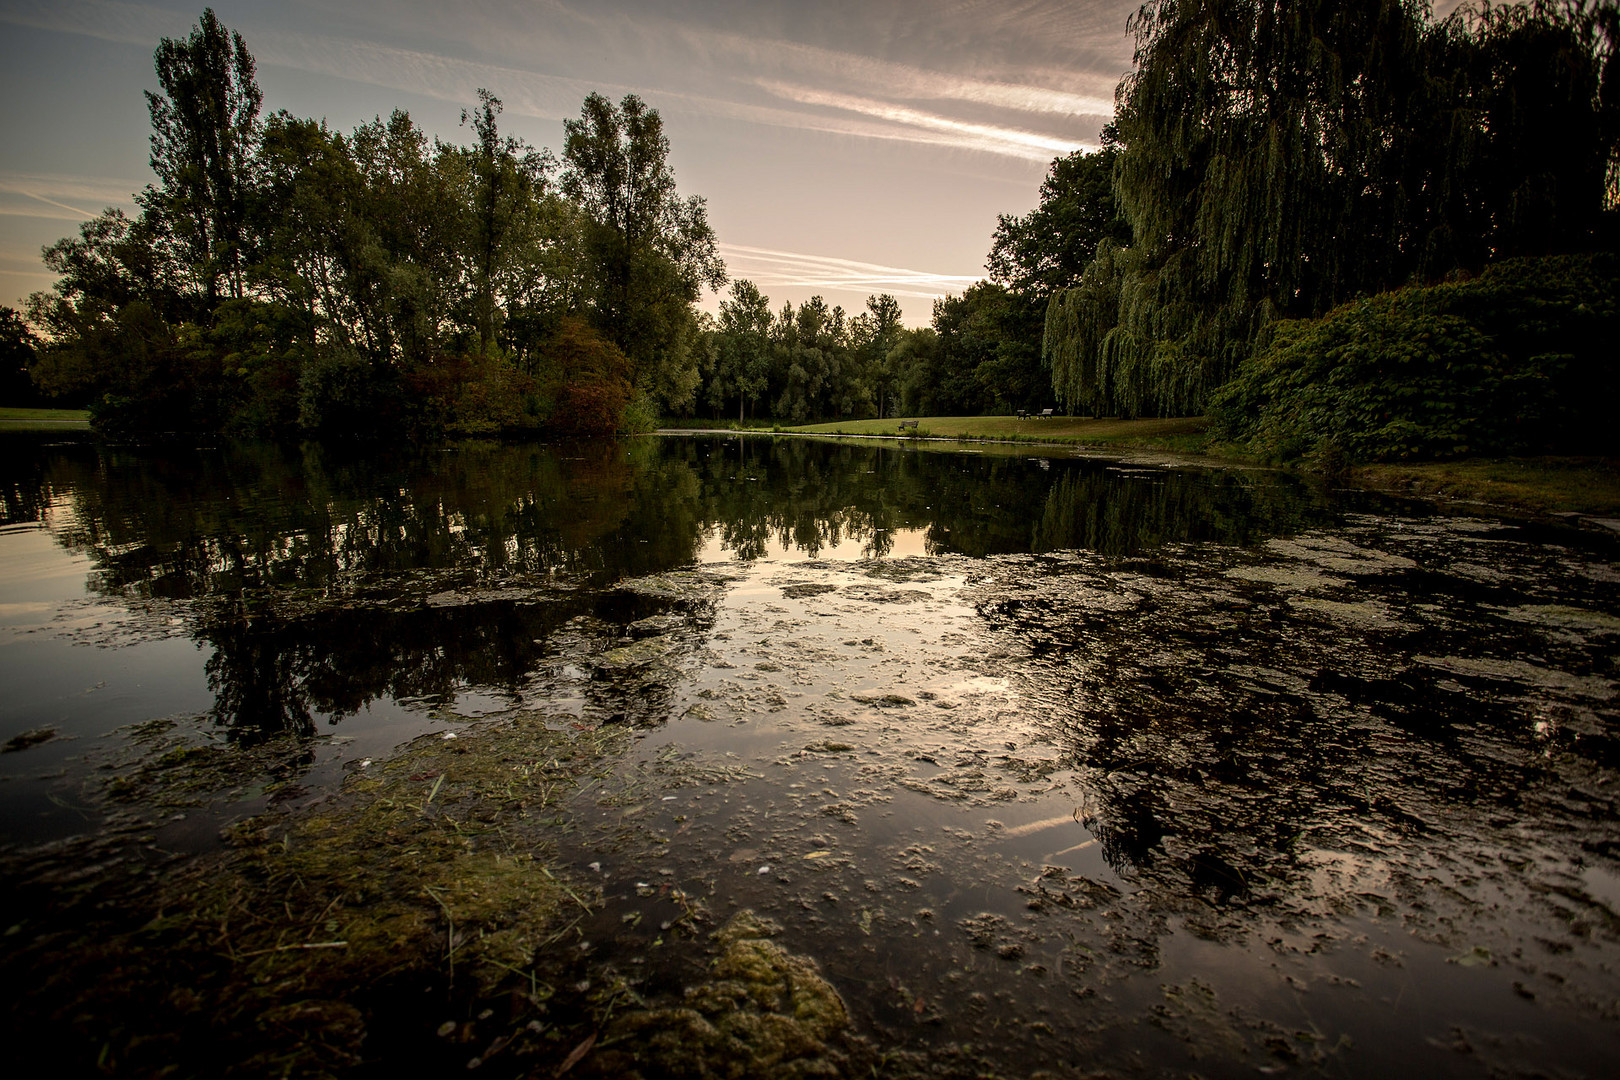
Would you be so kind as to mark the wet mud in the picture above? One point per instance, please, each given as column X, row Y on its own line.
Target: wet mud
column 1326, row 789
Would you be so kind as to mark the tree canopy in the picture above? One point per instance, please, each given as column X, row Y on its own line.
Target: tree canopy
column 204, row 128
column 648, row 252
column 1048, row 248
column 282, row 277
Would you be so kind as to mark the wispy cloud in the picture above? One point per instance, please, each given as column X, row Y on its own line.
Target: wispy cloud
column 884, row 108
column 73, row 212
column 958, row 109
column 61, row 198
column 24, row 274
column 107, row 20
column 962, row 134
column 554, row 97
column 1082, row 94
column 769, row 268
column 446, row 78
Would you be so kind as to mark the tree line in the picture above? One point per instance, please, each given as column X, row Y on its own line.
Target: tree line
column 1269, row 162
column 280, row 276
column 980, row 354
column 817, row 362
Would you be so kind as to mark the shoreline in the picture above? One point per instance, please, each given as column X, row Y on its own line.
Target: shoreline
column 1560, row 486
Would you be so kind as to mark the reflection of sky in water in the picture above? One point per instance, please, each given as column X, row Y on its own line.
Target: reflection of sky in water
column 36, row 574
column 904, row 543
column 89, row 667
column 52, row 669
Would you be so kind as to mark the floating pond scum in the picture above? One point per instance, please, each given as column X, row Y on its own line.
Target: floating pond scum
column 765, row 757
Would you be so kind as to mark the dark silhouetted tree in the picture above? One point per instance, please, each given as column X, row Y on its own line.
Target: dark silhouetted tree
column 205, row 127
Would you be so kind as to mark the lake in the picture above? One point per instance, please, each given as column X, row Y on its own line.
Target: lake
column 1032, row 761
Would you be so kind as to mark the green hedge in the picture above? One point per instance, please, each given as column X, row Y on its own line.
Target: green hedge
column 1520, row 360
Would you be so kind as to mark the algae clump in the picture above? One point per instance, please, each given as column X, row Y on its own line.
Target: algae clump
column 763, row 1012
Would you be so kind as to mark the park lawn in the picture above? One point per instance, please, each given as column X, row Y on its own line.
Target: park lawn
column 43, row 419
column 1182, row 435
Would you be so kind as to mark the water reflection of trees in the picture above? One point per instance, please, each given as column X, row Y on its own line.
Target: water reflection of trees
column 307, row 572
column 811, row 496
column 187, row 525
column 310, row 575
column 279, row 671
column 28, row 467
column 196, row 524
column 1098, row 509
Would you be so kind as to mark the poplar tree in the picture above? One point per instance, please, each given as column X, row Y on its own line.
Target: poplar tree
column 205, row 128
column 650, row 252
column 744, row 343
column 876, row 334
column 509, row 180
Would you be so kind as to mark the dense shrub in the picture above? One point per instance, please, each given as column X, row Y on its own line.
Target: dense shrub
column 1519, row 360
column 343, row 394
column 492, row 397
column 262, row 348
column 588, row 379
column 17, row 354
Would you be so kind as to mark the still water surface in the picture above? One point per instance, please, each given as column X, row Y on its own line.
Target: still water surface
column 1076, row 762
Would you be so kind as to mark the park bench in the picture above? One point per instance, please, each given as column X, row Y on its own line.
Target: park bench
column 1045, row 413
column 1023, row 414
column 912, row 424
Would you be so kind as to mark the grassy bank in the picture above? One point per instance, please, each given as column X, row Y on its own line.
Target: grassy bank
column 719, row 425
column 43, row 419
column 1539, row 485
column 1546, row 485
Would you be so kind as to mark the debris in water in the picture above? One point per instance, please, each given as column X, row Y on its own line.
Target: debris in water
column 1478, row 956
column 31, row 737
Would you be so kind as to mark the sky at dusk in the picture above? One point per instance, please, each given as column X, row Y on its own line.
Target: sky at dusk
column 844, row 147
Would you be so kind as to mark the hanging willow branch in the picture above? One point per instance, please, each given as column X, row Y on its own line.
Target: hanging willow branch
column 1279, row 157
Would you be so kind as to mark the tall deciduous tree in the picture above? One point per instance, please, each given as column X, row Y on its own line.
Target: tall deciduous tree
column 1048, row 248
column 509, row 177
column 744, row 346
column 650, row 252
column 204, row 129
column 875, row 335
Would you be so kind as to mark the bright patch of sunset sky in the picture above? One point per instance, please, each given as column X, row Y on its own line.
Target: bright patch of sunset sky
column 845, row 147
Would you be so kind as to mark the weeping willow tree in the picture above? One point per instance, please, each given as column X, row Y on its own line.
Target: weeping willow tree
column 1279, row 157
